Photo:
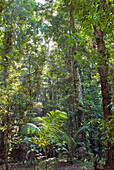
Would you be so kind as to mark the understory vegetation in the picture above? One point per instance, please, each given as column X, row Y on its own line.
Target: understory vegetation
column 56, row 85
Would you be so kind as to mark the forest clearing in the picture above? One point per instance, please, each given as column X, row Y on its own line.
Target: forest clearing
column 56, row 85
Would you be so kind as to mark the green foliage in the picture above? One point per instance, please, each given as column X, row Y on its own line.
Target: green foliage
column 106, row 129
column 19, row 71
column 49, row 61
column 47, row 129
column 30, row 129
column 73, row 141
column 47, row 164
column 47, row 126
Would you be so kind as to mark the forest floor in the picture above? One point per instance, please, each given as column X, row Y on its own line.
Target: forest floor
column 58, row 166
column 75, row 166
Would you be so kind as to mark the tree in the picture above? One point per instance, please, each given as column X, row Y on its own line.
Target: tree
column 97, row 14
column 58, row 56
column 17, row 75
column 93, row 25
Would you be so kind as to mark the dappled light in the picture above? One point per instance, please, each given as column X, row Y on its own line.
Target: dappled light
column 56, row 85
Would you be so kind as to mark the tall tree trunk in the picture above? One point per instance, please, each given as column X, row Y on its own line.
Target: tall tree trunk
column 74, row 69
column 78, row 116
column 3, row 145
column 29, row 72
column 4, row 135
column 103, row 72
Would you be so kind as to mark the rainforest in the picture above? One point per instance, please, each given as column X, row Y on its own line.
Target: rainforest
column 56, row 85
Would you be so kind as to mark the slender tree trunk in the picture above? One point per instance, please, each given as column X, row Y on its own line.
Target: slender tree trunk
column 2, row 146
column 4, row 135
column 29, row 70
column 75, row 71
column 6, row 155
column 78, row 116
column 50, row 90
column 103, row 72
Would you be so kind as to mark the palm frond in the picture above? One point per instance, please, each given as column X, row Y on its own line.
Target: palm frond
column 30, row 128
column 79, row 130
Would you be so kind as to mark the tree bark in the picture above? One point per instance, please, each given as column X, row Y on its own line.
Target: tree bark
column 103, row 72
column 2, row 146
column 4, row 135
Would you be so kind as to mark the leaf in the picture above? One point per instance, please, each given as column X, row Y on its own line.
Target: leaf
column 29, row 128
column 78, row 131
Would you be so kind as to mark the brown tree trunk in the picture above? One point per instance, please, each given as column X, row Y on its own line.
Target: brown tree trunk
column 103, row 72
column 2, row 143
column 2, row 146
column 4, row 134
